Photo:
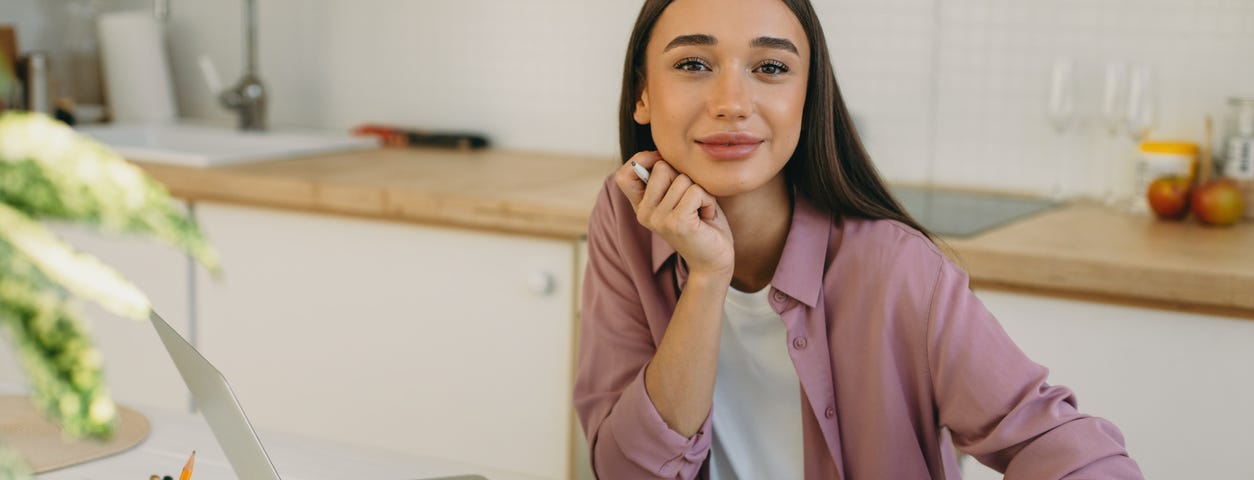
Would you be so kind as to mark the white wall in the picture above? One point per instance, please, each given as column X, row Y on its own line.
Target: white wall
column 536, row 75
column 32, row 17
column 945, row 90
column 994, row 58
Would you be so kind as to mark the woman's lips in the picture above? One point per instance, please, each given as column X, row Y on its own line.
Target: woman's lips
column 733, row 151
column 729, row 145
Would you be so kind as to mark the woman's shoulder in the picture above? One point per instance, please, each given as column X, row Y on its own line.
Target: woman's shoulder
column 890, row 259
column 886, row 266
column 888, row 242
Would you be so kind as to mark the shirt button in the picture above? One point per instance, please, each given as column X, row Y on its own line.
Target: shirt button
column 830, row 412
column 799, row 343
column 779, row 296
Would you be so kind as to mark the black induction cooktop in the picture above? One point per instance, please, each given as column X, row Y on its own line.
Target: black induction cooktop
column 959, row 214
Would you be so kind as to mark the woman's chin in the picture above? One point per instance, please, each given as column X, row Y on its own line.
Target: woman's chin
column 728, row 187
column 721, row 179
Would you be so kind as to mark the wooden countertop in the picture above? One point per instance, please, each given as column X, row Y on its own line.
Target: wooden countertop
column 1079, row 251
column 528, row 193
column 1094, row 253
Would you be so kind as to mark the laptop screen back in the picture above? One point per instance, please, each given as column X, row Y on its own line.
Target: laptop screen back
column 216, row 401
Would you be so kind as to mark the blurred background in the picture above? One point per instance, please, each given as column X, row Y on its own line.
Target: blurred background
column 947, row 91
column 1148, row 320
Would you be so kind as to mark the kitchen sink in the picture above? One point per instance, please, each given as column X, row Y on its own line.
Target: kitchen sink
column 209, row 146
column 961, row 214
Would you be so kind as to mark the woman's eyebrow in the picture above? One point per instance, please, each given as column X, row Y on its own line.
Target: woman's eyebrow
column 772, row 42
column 694, row 39
column 760, row 42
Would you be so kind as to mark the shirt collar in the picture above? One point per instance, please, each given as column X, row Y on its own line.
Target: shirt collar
column 800, row 270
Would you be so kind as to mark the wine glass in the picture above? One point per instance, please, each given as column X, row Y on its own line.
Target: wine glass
column 1139, row 120
column 1140, row 116
column 1115, row 96
column 1062, row 93
column 1114, row 111
column 1061, row 109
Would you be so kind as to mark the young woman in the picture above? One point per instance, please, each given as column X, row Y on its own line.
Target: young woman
column 761, row 307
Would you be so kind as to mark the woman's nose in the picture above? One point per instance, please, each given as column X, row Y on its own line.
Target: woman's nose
column 729, row 98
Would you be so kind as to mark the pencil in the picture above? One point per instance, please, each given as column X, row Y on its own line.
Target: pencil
column 187, row 469
column 641, row 172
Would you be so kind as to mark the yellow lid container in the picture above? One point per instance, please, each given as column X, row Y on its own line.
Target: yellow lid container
column 1162, row 158
column 1170, row 148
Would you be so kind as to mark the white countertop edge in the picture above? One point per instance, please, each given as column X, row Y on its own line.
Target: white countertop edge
column 175, row 434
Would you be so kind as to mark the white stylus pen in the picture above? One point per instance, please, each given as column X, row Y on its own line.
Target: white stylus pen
column 640, row 172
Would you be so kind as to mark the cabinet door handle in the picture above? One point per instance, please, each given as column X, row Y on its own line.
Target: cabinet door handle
column 542, row 284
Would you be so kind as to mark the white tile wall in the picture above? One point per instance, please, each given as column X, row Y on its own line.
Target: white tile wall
column 950, row 91
column 535, row 75
column 40, row 26
column 882, row 52
column 32, row 19
column 993, row 74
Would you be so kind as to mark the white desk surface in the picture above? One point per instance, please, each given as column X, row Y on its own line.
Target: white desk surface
column 175, row 434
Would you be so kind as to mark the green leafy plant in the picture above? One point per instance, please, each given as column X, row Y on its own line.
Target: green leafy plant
column 50, row 173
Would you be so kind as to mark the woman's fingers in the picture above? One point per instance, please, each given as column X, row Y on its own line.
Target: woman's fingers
column 697, row 199
column 660, row 177
column 626, row 177
column 671, row 203
column 673, row 206
column 646, row 158
column 676, row 191
column 709, row 209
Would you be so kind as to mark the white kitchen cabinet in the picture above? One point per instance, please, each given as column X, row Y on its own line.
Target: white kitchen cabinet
column 1177, row 384
column 425, row 340
column 137, row 368
column 583, row 466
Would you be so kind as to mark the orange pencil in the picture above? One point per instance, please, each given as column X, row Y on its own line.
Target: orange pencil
column 187, row 469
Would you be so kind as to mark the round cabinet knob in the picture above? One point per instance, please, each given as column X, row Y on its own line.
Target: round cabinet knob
column 542, row 283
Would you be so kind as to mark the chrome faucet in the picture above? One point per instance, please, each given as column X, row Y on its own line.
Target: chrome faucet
column 248, row 96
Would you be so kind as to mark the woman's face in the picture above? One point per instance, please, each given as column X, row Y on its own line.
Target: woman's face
column 725, row 90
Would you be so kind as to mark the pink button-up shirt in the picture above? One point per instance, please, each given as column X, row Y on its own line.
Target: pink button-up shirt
column 890, row 345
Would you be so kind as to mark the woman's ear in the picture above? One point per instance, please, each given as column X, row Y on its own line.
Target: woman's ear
column 641, row 115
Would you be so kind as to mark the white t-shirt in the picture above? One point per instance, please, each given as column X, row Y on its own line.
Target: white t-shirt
column 756, row 415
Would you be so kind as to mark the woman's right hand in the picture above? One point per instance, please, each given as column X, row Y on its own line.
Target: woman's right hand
column 681, row 212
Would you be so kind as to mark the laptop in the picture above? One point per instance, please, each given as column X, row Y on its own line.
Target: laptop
column 222, row 411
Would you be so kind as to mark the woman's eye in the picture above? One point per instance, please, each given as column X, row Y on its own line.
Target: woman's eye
column 773, row 68
column 692, row 65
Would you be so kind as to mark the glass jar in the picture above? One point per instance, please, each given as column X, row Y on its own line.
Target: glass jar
column 1239, row 146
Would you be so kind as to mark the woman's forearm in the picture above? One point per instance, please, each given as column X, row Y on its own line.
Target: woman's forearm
column 680, row 379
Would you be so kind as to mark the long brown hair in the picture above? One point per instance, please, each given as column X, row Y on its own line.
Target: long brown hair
column 830, row 168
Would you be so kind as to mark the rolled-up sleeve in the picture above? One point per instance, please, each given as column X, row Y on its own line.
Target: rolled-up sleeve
column 996, row 401
column 626, row 435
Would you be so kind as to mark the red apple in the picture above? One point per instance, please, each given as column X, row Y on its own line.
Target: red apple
column 1169, row 197
column 1218, row 202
